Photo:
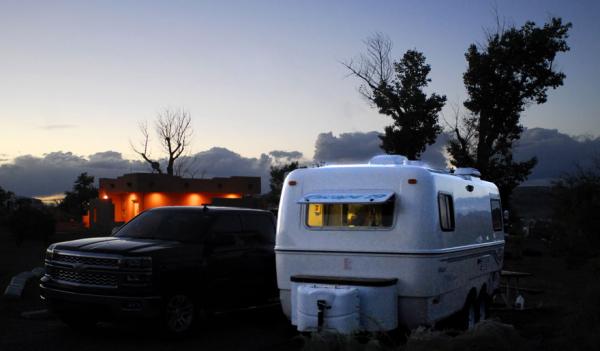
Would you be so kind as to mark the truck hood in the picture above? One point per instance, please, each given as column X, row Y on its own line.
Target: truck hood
column 116, row 245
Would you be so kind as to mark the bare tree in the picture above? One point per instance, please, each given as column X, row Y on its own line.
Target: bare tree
column 143, row 150
column 187, row 166
column 396, row 89
column 173, row 129
column 374, row 67
column 464, row 129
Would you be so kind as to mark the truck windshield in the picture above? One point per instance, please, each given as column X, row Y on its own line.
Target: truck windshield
column 350, row 216
column 183, row 225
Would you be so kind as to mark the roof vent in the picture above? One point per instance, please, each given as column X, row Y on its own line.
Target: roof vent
column 467, row 171
column 388, row 160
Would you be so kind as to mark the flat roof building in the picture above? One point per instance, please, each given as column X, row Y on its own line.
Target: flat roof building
column 132, row 193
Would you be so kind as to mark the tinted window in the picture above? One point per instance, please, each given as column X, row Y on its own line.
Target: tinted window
column 446, row 209
column 226, row 231
column 350, row 215
column 496, row 214
column 259, row 225
column 187, row 226
column 226, row 223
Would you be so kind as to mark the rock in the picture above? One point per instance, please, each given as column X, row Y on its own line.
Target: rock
column 18, row 282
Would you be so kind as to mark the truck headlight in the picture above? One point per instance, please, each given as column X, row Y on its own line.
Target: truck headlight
column 50, row 253
column 143, row 263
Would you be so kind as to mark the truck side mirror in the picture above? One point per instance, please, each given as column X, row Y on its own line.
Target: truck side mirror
column 506, row 216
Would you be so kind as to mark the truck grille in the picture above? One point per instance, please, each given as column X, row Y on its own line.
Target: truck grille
column 102, row 279
column 89, row 260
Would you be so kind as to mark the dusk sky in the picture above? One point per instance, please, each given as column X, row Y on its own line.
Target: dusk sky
column 255, row 75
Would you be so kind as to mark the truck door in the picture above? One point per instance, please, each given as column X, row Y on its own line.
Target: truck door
column 259, row 239
column 225, row 260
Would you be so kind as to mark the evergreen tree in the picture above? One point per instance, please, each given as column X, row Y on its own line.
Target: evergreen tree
column 396, row 89
column 512, row 70
column 278, row 173
column 76, row 202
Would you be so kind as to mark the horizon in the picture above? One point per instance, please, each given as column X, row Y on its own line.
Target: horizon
column 54, row 173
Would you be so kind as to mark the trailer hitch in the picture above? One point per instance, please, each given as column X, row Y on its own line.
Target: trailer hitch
column 321, row 307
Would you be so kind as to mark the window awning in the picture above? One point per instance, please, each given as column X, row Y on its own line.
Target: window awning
column 347, row 197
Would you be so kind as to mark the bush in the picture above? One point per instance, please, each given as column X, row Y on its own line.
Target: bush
column 31, row 222
column 582, row 325
column 577, row 206
column 487, row 335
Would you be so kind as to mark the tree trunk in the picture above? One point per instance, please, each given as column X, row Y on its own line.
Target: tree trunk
column 170, row 166
column 483, row 149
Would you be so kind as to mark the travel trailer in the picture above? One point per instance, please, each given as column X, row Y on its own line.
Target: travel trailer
column 390, row 243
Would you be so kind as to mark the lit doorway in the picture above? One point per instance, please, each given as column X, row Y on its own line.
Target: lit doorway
column 136, row 208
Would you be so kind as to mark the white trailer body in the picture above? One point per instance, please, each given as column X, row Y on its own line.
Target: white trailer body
column 428, row 244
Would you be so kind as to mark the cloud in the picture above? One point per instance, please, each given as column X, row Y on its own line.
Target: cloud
column 57, row 126
column 347, row 147
column 55, row 172
column 287, row 155
column 108, row 160
column 361, row 146
column 557, row 153
column 435, row 154
column 222, row 162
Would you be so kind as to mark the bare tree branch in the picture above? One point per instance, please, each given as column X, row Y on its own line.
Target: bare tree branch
column 173, row 128
column 143, row 127
column 374, row 67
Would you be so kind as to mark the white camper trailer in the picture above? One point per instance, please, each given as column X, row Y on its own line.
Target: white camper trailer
column 374, row 246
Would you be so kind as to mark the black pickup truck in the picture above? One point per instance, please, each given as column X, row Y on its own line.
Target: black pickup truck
column 178, row 264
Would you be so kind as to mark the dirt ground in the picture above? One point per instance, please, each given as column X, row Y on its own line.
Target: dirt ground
column 564, row 316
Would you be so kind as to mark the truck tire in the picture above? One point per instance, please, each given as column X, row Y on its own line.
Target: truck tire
column 180, row 314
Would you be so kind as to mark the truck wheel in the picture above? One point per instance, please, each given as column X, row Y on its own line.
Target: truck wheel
column 180, row 314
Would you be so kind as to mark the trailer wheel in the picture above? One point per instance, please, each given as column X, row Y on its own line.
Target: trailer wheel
column 483, row 307
column 468, row 315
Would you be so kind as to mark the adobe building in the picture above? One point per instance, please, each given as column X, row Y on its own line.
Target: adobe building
column 124, row 197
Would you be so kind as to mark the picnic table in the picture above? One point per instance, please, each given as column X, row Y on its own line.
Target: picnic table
column 511, row 291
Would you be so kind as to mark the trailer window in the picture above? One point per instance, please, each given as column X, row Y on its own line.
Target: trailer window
column 496, row 214
column 446, row 209
column 350, row 215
